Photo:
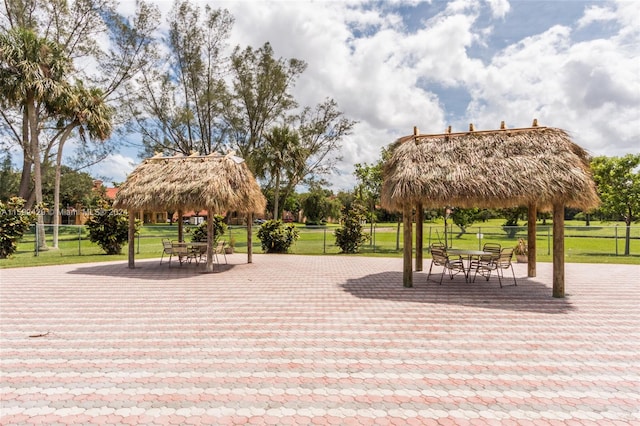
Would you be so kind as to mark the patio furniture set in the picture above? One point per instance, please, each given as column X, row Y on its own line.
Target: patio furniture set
column 492, row 258
column 193, row 251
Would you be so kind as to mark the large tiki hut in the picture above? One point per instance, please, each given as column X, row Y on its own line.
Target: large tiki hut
column 214, row 183
column 537, row 167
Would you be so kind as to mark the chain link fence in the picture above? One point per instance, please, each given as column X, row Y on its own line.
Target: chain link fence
column 384, row 239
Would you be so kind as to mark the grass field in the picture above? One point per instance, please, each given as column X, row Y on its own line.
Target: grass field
column 598, row 243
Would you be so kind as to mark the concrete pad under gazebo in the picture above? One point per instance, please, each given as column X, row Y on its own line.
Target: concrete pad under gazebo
column 214, row 183
column 537, row 167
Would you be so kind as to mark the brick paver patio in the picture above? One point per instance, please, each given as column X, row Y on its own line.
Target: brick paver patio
column 316, row 340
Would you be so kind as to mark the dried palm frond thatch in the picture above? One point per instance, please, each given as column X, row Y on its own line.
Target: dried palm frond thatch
column 498, row 168
column 214, row 182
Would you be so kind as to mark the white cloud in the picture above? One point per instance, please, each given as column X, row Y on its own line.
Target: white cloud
column 390, row 78
column 591, row 89
column 499, row 8
column 596, row 14
column 114, row 168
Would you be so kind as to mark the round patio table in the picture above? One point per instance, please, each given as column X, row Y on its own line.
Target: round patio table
column 468, row 254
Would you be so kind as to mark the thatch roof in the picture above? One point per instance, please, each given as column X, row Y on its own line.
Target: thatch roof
column 214, row 182
column 498, row 168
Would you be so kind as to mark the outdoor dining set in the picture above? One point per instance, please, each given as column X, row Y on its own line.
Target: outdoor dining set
column 188, row 252
column 492, row 258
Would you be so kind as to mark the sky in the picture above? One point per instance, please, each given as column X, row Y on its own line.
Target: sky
column 392, row 65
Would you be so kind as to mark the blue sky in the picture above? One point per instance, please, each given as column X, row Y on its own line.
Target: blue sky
column 392, row 65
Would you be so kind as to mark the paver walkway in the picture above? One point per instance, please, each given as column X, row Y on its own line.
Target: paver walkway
column 316, row 340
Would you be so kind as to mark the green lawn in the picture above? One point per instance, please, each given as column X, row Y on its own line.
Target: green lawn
column 593, row 244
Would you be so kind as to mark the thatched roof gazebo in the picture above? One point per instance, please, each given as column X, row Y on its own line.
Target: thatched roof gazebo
column 215, row 183
column 537, row 167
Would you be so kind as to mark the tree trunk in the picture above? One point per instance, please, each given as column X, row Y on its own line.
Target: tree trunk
column 31, row 199
column 276, row 195
column 627, row 235
column 25, row 179
column 37, row 170
column 627, row 238
column 56, row 188
column 56, row 203
column 56, row 185
column 27, row 163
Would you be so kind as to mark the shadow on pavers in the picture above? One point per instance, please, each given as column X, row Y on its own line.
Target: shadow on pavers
column 529, row 295
column 150, row 270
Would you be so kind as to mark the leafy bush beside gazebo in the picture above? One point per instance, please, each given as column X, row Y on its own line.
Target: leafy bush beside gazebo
column 350, row 236
column 199, row 234
column 14, row 222
column 109, row 229
column 276, row 237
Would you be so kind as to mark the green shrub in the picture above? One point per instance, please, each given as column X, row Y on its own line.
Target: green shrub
column 276, row 237
column 350, row 236
column 110, row 229
column 14, row 222
column 316, row 222
column 199, row 234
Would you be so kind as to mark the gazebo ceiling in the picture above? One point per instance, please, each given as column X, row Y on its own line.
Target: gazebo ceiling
column 497, row 168
column 213, row 182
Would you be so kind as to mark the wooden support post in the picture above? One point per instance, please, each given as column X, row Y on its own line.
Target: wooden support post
column 180, row 226
column 249, row 238
column 558, row 249
column 407, row 270
column 419, row 232
column 210, row 237
column 531, row 240
column 132, row 240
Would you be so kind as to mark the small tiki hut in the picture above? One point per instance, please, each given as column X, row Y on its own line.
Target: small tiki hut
column 537, row 167
column 214, row 183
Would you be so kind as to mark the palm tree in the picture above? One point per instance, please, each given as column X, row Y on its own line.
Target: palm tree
column 32, row 72
column 85, row 110
column 280, row 152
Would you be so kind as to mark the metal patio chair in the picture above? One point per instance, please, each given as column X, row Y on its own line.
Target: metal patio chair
column 486, row 259
column 499, row 264
column 440, row 258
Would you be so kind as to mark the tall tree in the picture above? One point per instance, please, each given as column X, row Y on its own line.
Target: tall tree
column 179, row 106
column 319, row 204
column 32, row 72
column 618, row 184
column 282, row 148
column 84, row 110
column 369, row 187
column 320, row 131
column 52, row 30
column 259, row 96
column 78, row 30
